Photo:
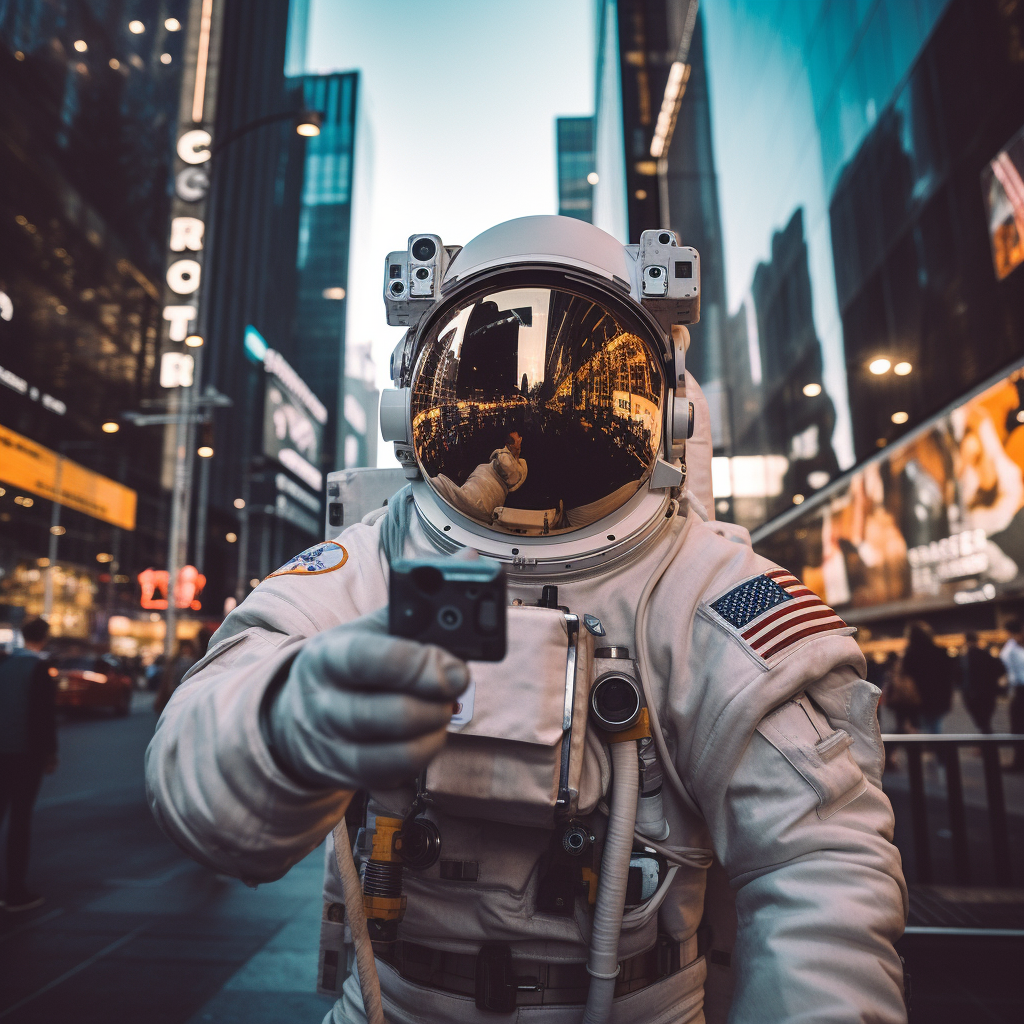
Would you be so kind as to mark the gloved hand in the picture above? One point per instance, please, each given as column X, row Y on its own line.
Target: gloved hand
column 360, row 709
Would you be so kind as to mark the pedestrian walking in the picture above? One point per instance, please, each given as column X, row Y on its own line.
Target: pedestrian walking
column 926, row 665
column 981, row 672
column 28, row 750
column 1012, row 656
column 188, row 655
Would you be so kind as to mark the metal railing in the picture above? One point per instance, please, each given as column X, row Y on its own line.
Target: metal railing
column 946, row 749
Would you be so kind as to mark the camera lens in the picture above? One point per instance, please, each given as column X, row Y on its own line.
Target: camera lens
column 615, row 702
column 664, row 238
column 397, row 288
column 654, row 272
column 422, row 274
column 449, row 617
column 423, row 249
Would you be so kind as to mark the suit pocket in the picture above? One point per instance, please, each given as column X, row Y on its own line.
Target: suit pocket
column 821, row 754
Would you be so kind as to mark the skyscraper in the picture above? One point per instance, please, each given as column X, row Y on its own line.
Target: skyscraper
column 575, row 140
column 86, row 147
column 278, row 269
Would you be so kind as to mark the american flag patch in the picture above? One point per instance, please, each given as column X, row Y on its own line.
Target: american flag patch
column 774, row 611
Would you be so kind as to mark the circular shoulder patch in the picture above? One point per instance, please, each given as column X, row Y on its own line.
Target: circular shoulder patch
column 320, row 558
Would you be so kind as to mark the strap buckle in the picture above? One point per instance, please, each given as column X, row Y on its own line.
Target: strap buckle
column 496, row 982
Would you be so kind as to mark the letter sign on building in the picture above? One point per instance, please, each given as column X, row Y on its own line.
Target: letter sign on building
column 183, row 276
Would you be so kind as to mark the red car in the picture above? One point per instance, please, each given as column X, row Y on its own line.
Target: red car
column 89, row 682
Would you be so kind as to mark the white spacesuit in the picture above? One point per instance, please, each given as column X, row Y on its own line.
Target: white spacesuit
column 554, row 878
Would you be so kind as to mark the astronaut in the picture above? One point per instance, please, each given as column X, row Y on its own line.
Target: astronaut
column 489, row 484
column 725, row 850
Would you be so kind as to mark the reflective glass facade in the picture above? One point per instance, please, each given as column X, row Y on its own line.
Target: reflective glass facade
column 575, row 141
column 836, row 165
column 86, row 141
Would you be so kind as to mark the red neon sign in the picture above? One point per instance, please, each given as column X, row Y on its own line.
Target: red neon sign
column 154, row 582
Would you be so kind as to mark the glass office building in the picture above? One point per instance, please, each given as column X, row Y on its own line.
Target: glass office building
column 89, row 104
column 852, row 176
column 574, row 137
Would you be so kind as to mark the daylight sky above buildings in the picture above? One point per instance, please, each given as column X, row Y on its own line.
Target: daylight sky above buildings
column 460, row 100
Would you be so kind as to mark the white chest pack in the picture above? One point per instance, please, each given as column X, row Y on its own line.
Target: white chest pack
column 518, row 750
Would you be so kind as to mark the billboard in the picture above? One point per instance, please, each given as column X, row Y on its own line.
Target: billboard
column 937, row 520
column 293, row 422
column 43, row 472
column 1002, row 183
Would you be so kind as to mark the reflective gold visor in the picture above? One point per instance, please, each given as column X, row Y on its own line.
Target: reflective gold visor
column 536, row 410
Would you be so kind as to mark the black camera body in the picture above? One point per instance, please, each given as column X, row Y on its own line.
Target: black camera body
column 459, row 605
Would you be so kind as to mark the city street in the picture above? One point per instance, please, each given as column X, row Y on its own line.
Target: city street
column 134, row 931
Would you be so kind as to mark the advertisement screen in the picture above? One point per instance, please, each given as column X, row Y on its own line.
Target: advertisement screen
column 293, row 422
column 1002, row 183
column 938, row 520
column 31, row 467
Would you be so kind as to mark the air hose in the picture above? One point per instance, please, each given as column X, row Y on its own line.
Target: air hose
column 366, row 966
column 603, row 963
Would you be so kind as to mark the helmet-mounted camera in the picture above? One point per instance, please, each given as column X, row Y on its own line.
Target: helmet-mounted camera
column 669, row 278
column 412, row 279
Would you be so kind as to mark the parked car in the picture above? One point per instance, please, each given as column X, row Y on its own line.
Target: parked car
column 88, row 682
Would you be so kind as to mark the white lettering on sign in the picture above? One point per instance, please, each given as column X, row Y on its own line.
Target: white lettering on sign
column 186, row 233
column 274, row 362
column 54, row 404
column 13, row 381
column 194, row 146
column 179, row 317
column 192, row 184
column 176, row 370
column 306, row 472
column 183, row 276
column 6, row 306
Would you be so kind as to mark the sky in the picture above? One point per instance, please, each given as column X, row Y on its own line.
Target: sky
column 458, row 100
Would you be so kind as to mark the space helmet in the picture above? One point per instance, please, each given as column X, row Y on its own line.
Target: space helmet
column 541, row 402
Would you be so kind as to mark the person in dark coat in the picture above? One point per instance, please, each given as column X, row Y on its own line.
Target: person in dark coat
column 981, row 674
column 928, row 666
column 28, row 750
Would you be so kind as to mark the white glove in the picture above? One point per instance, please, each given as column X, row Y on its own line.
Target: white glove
column 361, row 709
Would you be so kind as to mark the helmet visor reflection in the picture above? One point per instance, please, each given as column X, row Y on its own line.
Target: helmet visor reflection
column 536, row 410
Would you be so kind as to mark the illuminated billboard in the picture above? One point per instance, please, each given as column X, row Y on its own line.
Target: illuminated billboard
column 937, row 520
column 1002, row 182
column 43, row 472
column 293, row 421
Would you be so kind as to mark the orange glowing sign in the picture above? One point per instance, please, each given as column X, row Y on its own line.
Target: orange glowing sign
column 154, row 582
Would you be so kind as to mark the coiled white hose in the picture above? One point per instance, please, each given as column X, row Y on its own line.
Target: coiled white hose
column 603, row 963
column 369, row 983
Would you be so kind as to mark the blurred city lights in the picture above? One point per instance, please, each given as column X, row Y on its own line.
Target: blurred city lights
column 641, row 194
column 308, row 129
column 172, row 25
column 114, row 63
column 194, row 341
column 239, row 502
column 104, row 557
column 334, row 293
column 110, row 427
column 254, row 583
column 205, row 452
column 81, row 45
column 231, row 537
column 136, row 27
column 812, row 390
column 879, row 366
column 593, row 178
column 798, row 499
column 58, row 531
column 165, row 58
column 902, row 369
column 900, row 417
